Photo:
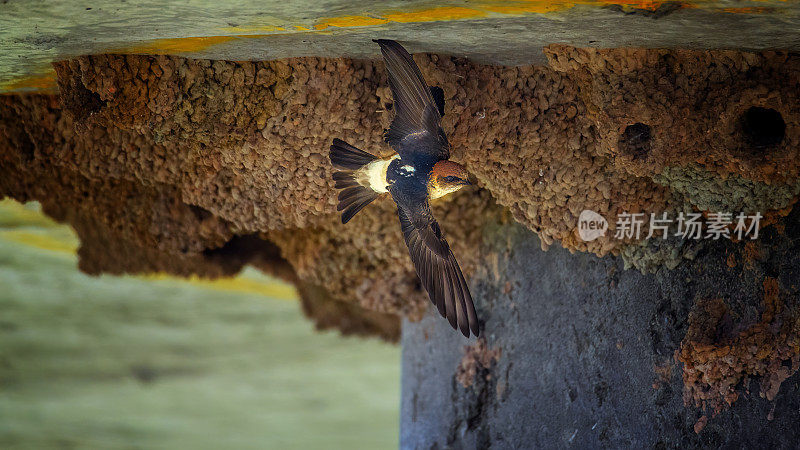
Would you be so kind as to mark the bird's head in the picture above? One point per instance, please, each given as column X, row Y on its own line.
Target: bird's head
column 446, row 177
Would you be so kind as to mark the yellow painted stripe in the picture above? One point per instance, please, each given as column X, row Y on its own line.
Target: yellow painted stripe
column 30, row 214
column 41, row 241
column 254, row 29
column 499, row 8
column 240, row 284
column 175, row 46
column 350, row 21
column 43, row 82
column 43, row 237
column 446, row 13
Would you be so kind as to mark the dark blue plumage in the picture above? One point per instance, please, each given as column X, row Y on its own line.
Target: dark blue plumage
column 417, row 137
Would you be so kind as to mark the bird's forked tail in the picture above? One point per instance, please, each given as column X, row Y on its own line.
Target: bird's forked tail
column 353, row 196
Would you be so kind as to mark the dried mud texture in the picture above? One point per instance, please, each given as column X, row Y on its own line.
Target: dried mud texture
column 648, row 256
column 526, row 135
column 719, row 357
column 478, row 358
column 169, row 160
column 718, row 129
column 126, row 226
column 350, row 319
column 694, row 104
column 368, row 260
column 734, row 193
column 248, row 142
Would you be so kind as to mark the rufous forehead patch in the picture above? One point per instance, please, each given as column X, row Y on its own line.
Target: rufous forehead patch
column 449, row 168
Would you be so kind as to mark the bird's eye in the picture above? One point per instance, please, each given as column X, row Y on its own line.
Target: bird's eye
column 450, row 179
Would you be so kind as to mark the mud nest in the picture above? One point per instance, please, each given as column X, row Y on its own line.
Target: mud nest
column 165, row 163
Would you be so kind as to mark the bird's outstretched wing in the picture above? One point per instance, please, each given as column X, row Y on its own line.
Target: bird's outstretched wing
column 415, row 132
column 436, row 266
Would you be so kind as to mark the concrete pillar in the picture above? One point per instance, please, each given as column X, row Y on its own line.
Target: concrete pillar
column 581, row 353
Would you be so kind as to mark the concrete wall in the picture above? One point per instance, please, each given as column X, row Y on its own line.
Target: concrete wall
column 581, row 353
column 35, row 34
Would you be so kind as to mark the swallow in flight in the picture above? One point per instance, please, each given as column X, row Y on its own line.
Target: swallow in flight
column 418, row 172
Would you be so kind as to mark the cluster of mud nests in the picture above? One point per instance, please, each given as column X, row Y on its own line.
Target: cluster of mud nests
column 200, row 167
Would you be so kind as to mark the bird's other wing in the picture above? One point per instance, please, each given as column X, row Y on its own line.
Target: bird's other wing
column 415, row 132
column 433, row 260
column 438, row 97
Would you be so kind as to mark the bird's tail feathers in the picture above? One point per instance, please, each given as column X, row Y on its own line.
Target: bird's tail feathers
column 352, row 196
column 345, row 156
